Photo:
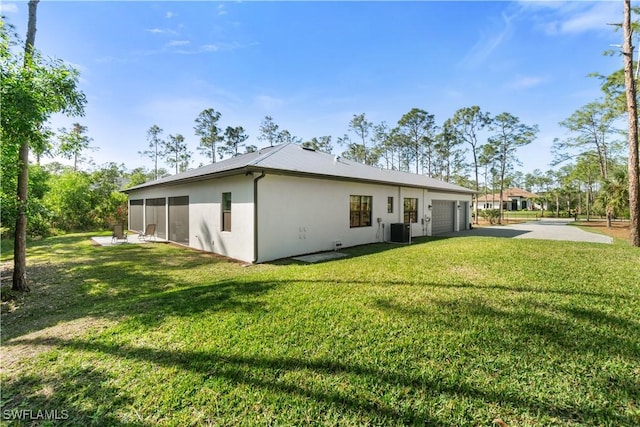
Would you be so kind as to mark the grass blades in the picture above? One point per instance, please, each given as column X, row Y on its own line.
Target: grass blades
column 443, row 332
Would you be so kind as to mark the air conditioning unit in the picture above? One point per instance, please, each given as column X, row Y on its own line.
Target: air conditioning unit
column 400, row 232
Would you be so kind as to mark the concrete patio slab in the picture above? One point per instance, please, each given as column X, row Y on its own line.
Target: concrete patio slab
column 132, row 239
column 325, row 256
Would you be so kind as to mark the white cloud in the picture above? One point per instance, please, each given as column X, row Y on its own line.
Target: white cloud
column 173, row 43
column 169, row 15
column 488, row 43
column 555, row 18
column 525, row 82
column 8, row 8
column 596, row 18
column 222, row 10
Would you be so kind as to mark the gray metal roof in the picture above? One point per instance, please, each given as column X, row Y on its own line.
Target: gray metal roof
column 292, row 159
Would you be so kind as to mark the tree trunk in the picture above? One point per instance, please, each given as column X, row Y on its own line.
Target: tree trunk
column 20, row 240
column 475, row 165
column 632, row 109
column 588, row 201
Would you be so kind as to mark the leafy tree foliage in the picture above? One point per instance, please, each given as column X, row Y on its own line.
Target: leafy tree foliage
column 72, row 143
column 418, row 127
column 449, row 159
column 140, row 175
column 234, row 138
column 155, row 148
column 592, row 131
column 510, row 135
column 175, row 152
column 32, row 90
column 286, row 137
column 269, row 131
column 70, row 201
column 466, row 123
column 322, row 143
column 209, row 132
column 614, row 197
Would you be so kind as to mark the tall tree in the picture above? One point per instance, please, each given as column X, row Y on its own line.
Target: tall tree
column 285, row 137
column 234, row 138
column 322, row 143
column 614, row 195
column 175, row 152
column 45, row 146
column 383, row 144
column 210, row 134
column 592, row 128
column 586, row 171
column 510, row 135
column 467, row 123
column 449, row 156
column 632, row 111
column 73, row 143
column 32, row 90
column 362, row 127
column 418, row 126
column 268, row 131
column 487, row 160
column 155, row 147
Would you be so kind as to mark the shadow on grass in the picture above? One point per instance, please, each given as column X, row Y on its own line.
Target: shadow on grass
column 112, row 282
column 569, row 329
column 270, row 373
column 53, row 400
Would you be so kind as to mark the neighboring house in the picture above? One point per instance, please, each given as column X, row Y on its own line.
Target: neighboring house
column 514, row 199
column 287, row 200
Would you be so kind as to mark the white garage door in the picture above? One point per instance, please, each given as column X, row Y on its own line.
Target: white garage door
column 443, row 216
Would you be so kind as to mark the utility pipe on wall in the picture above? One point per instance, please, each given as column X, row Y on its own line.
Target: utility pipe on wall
column 255, row 216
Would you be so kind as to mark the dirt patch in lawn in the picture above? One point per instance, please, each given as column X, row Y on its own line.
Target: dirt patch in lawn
column 17, row 349
column 619, row 229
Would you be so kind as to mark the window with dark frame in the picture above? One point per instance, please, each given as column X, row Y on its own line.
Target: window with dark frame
column 226, row 211
column 389, row 204
column 360, row 211
column 410, row 210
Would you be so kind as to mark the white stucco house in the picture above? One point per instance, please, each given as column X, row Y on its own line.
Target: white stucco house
column 287, row 200
column 514, row 199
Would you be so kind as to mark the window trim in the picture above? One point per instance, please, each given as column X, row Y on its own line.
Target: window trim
column 413, row 219
column 225, row 213
column 390, row 204
column 364, row 216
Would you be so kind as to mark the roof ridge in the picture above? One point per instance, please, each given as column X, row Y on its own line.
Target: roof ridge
column 270, row 153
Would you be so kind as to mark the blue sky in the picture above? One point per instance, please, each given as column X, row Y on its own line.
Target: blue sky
column 313, row 65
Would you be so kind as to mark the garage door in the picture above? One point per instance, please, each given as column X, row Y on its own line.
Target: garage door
column 136, row 215
column 155, row 214
column 179, row 219
column 443, row 216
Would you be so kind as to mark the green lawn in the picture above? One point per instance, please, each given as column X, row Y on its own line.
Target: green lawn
column 452, row 332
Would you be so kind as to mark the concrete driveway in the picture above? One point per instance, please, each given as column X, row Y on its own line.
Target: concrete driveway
column 546, row 229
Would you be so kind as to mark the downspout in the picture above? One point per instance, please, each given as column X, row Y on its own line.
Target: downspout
column 255, row 216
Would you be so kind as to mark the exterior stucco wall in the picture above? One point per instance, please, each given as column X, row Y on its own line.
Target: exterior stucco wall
column 297, row 215
column 460, row 198
column 205, row 214
column 306, row 215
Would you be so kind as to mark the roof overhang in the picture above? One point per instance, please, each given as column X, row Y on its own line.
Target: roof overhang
column 250, row 169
